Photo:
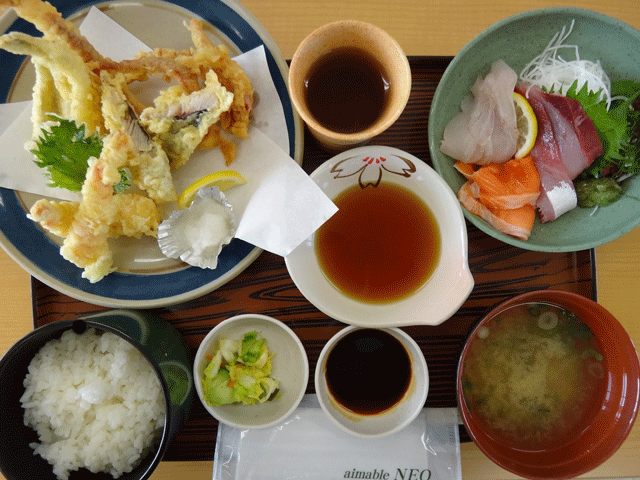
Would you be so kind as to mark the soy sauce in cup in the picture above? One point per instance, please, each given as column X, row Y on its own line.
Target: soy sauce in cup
column 346, row 89
column 368, row 371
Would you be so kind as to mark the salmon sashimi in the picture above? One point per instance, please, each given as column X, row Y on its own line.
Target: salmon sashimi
column 466, row 169
column 516, row 222
column 505, row 185
column 485, row 130
column 502, row 194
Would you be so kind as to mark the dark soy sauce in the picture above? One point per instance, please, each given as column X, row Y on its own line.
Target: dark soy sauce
column 368, row 371
column 346, row 90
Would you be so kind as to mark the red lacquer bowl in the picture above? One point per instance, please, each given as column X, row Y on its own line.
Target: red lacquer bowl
column 605, row 431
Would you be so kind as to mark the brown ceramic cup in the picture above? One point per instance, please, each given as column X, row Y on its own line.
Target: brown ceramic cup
column 373, row 41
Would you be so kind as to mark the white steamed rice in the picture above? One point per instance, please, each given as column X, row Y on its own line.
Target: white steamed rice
column 94, row 401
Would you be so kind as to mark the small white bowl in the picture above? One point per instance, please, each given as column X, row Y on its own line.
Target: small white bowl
column 289, row 366
column 389, row 421
column 451, row 282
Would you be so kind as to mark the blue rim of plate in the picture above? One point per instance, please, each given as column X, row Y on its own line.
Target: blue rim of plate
column 27, row 244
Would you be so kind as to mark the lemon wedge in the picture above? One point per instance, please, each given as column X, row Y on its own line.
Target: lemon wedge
column 224, row 180
column 527, row 126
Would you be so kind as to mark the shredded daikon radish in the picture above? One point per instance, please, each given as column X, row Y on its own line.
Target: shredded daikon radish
column 553, row 73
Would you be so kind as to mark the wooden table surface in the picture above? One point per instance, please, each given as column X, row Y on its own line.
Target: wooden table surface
column 437, row 27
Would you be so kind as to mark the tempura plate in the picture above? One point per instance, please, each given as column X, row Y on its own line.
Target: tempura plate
column 144, row 279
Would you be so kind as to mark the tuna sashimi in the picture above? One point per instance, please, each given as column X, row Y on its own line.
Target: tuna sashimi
column 571, row 153
column 557, row 193
column 485, row 131
column 575, row 132
column 583, row 127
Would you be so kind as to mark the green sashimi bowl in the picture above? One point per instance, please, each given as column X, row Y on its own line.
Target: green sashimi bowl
column 517, row 40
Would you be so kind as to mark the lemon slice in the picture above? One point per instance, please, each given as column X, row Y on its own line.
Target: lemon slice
column 224, row 180
column 527, row 126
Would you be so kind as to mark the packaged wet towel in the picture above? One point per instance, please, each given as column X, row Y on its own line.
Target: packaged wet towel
column 307, row 445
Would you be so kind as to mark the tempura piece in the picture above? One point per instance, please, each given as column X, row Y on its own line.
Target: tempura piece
column 137, row 215
column 64, row 84
column 207, row 56
column 54, row 216
column 50, row 22
column 86, row 243
column 182, row 120
column 148, row 162
column 231, row 75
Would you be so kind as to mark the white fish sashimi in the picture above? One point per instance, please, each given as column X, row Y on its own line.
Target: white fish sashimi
column 485, row 131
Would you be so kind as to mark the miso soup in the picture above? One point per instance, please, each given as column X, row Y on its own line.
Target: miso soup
column 533, row 374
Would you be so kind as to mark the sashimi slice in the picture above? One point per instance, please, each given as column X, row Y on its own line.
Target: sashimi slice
column 573, row 157
column 485, row 131
column 584, row 131
column 516, row 222
column 557, row 193
column 466, row 169
column 507, row 185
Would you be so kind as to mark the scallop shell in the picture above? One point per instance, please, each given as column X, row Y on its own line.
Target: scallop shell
column 185, row 234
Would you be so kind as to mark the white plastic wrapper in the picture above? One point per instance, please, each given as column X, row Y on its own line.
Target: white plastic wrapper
column 308, row 446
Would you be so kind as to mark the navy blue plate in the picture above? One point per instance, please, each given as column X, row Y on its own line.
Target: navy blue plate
column 28, row 245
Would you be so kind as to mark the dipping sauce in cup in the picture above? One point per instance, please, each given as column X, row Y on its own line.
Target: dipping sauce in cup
column 357, row 364
column 381, row 246
column 349, row 81
column 371, row 382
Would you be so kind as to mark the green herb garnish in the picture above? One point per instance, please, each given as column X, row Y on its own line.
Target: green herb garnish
column 64, row 149
column 619, row 131
column 599, row 192
column 617, row 128
column 125, row 181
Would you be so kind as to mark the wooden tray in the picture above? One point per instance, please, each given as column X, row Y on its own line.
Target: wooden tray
column 500, row 271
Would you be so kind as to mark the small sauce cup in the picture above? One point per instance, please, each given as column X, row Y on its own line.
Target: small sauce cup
column 385, row 55
column 400, row 413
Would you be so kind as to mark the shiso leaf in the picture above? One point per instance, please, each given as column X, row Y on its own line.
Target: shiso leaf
column 63, row 149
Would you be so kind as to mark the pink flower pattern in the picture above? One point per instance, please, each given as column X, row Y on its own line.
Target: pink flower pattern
column 370, row 169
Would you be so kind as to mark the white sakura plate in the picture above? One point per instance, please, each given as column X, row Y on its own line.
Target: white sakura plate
column 451, row 281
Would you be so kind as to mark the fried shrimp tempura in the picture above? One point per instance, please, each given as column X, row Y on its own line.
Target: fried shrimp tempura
column 137, row 216
column 100, row 214
column 85, row 244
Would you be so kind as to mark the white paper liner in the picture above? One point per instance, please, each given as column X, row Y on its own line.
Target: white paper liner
column 184, row 234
